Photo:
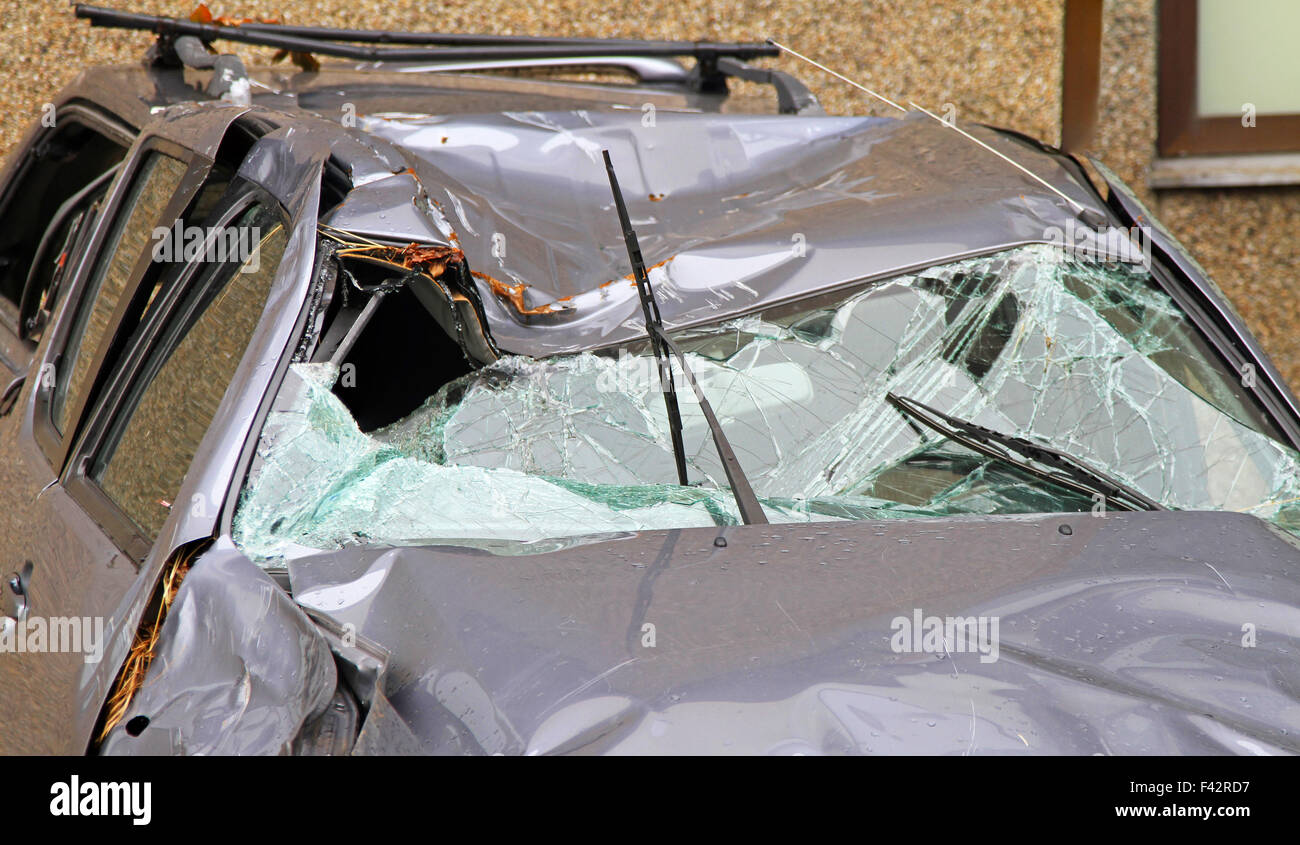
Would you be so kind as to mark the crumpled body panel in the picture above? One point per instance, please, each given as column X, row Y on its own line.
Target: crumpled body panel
column 740, row 210
column 238, row 668
column 1123, row 637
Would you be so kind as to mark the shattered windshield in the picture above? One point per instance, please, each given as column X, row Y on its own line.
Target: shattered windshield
column 516, row 456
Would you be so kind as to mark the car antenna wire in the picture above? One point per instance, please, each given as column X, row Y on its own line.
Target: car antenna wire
column 1078, row 207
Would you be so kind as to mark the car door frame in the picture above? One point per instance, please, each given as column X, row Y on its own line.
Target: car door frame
column 197, row 135
column 114, row 397
column 288, row 166
column 57, row 445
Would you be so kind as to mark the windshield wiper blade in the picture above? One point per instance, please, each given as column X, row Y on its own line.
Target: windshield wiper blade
column 1066, row 470
column 650, row 311
column 751, row 512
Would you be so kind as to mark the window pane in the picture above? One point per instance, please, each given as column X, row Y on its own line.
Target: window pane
column 1247, row 53
column 157, row 180
column 150, row 450
column 58, row 164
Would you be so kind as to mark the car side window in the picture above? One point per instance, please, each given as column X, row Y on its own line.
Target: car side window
column 55, row 167
column 153, row 187
column 155, row 432
column 57, row 255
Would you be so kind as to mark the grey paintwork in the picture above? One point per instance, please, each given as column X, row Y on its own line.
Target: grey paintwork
column 1123, row 636
column 751, row 209
column 273, row 688
column 287, row 163
column 79, row 571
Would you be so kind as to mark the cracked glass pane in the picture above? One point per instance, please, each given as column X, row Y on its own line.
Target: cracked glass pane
column 1091, row 358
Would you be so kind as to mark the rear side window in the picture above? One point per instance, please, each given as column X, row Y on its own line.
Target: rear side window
column 56, row 166
column 157, row 430
column 130, row 236
column 58, row 254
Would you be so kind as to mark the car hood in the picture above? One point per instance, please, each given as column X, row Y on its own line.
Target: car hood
column 1131, row 633
column 1145, row 633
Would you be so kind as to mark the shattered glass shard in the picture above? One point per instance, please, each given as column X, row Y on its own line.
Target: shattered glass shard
column 320, row 483
column 1092, row 358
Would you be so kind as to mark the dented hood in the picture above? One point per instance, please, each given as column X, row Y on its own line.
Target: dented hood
column 736, row 210
column 1142, row 633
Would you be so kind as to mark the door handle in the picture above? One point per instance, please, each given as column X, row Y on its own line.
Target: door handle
column 17, row 587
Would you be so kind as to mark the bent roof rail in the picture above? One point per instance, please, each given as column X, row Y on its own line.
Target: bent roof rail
column 646, row 68
column 428, row 46
column 715, row 60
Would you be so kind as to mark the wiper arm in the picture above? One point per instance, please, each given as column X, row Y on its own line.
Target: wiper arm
column 751, row 512
column 650, row 311
column 1066, row 470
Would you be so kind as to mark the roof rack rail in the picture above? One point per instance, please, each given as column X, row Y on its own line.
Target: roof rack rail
column 715, row 60
column 649, row 69
column 453, row 39
column 428, row 46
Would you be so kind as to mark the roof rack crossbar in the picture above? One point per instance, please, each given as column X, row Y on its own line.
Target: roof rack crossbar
column 447, row 39
column 331, row 42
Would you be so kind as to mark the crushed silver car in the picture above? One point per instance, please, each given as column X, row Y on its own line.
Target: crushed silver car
column 408, row 405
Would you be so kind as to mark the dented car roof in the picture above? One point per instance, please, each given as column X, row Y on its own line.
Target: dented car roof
column 734, row 211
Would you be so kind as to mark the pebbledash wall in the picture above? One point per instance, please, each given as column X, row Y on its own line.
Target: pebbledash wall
column 994, row 61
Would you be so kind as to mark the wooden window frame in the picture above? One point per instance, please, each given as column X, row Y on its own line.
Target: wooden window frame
column 1182, row 130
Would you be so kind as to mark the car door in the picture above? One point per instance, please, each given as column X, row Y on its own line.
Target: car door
column 73, row 577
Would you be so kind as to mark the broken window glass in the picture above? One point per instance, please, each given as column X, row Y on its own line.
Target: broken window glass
column 1089, row 357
